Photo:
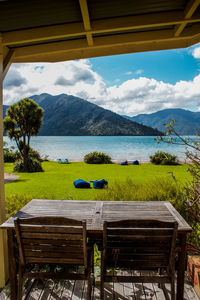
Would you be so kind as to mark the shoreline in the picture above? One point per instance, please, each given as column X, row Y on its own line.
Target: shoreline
column 117, row 161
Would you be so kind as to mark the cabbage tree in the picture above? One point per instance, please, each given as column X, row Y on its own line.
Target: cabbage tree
column 23, row 120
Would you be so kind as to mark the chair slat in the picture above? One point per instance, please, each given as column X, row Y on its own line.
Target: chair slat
column 49, row 247
column 35, row 241
column 56, row 236
column 51, row 229
column 137, row 265
column 139, row 249
column 56, row 260
column 53, row 254
column 140, row 223
column 50, row 220
column 141, row 231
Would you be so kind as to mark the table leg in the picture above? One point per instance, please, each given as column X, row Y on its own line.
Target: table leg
column 12, row 265
column 181, row 267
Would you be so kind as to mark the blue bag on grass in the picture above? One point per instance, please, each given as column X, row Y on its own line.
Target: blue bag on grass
column 99, row 184
column 124, row 163
column 81, row 184
column 135, row 162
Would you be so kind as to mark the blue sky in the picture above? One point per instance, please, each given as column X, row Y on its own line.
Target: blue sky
column 168, row 66
column 129, row 84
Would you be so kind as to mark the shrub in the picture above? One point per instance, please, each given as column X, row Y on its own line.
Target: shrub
column 34, row 154
column 97, row 158
column 9, row 157
column 163, row 158
column 10, row 153
column 33, row 165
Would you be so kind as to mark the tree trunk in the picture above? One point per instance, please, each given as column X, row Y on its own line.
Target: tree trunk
column 25, row 161
column 25, row 156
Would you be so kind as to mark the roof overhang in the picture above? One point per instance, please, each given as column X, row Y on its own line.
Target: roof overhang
column 52, row 31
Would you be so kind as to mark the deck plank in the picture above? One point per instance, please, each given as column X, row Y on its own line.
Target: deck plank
column 189, row 290
column 77, row 290
column 36, row 290
column 68, row 286
column 128, row 289
column 148, row 289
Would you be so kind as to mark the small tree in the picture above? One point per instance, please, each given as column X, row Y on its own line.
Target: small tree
column 192, row 190
column 23, row 120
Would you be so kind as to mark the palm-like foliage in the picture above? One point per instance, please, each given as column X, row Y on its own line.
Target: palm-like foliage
column 23, row 120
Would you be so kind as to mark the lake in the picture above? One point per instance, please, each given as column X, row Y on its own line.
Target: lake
column 118, row 147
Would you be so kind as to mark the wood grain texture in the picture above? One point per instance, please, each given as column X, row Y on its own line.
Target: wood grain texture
column 119, row 251
column 95, row 213
column 36, row 239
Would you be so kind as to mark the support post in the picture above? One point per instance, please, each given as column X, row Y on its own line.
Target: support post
column 3, row 236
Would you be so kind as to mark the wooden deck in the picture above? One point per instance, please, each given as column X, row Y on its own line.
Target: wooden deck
column 76, row 290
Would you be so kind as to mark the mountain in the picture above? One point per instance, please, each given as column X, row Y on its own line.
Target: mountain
column 66, row 115
column 4, row 110
column 186, row 122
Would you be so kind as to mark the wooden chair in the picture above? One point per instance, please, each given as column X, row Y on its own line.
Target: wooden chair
column 139, row 245
column 52, row 240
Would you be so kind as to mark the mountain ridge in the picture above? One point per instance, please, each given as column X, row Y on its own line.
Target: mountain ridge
column 67, row 115
column 186, row 121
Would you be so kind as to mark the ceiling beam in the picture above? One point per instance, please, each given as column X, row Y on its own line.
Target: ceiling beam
column 43, row 34
column 188, row 12
column 109, row 50
column 103, row 42
column 99, row 26
column 86, row 21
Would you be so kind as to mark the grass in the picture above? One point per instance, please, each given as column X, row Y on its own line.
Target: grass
column 57, row 180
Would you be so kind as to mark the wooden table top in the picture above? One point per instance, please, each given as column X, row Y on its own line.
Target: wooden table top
column 96, row 212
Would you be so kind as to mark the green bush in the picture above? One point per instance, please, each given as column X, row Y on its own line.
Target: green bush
column 9, row 157
column 97, row 158
column 163, row 158
column 33, row 165
column 34, row 154
column 10, row 153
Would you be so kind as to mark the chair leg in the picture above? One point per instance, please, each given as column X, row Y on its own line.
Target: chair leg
column 173, row 295
column 89, row 288
column 89, row 279
column 20, row 284
column 102, row 289
column 102, row 280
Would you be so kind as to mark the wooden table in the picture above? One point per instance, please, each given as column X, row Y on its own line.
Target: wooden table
column 95, row 213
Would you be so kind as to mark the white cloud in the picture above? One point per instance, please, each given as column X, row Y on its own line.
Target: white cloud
column 128, row 73
column 196, row 52
column 139, row 72
column 134, row 96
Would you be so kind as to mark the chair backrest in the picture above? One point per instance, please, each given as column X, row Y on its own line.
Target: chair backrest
column 51, row 240
column 139, row 244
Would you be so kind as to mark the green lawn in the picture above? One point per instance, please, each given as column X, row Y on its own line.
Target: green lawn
column 57, row 180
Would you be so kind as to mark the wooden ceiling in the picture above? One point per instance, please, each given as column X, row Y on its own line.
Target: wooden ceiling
column 51, row 31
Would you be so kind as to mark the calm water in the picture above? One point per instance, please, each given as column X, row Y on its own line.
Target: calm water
column 118, row 147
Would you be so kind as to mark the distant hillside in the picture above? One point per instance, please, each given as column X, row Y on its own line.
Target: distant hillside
column 66, row 115
column 186, row 122
column 4, row 110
